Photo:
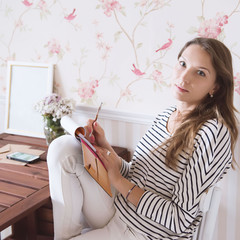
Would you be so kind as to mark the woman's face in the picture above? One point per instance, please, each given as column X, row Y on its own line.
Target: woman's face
column 193, row 77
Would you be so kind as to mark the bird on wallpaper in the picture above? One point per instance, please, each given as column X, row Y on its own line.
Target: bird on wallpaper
column 166, row 45
column 137, row 71
column 71, row 16
column 27, row 3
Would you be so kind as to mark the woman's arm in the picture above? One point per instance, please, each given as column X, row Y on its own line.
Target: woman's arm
column 209, row 162
column 129, row 190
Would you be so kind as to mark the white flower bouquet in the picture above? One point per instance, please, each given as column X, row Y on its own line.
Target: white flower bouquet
column 53, row 108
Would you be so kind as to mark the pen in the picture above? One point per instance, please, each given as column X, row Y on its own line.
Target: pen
column 95, row 118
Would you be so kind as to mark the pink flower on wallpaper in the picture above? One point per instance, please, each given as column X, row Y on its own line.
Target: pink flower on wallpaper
column 221, row 19
column 71, row 16
column 211, row 28
column 170, row 25
column 237, row 83
column 143, row 3
column 99, row 35
column 105, row 50
column 100, row 45
column 157, row 76
column 155, row 3
column 42, row 5
column 126, row 93
column 109, row 6
column 103, row 46
column 95, row 22
column 27, row 3
column 87, row 89
column 54, row 47
column 19, row 23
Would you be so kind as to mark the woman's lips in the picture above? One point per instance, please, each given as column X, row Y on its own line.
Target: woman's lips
column 181, row 89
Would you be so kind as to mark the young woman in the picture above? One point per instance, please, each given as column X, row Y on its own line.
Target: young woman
column 187, row 150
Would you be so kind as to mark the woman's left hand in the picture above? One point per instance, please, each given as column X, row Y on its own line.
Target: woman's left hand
column 112, row 163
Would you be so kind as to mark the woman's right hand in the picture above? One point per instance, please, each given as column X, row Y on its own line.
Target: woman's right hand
column 98, row 135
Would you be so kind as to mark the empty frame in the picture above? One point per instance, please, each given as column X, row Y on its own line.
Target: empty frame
column 27, row 83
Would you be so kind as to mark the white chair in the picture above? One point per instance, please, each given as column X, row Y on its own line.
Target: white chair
column 209, row 205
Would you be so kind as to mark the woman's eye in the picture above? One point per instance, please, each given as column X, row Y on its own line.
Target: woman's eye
column 201, row 73
column 182, row 63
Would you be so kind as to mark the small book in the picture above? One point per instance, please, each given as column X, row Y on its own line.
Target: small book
column 92, row 162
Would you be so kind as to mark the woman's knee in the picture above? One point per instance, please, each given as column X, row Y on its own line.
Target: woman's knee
column 62, row 148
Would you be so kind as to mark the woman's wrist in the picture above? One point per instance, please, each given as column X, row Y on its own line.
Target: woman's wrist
column 105, row 144
column 117, row 181
column 130, row 191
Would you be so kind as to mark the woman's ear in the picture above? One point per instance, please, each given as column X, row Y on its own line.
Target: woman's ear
column 214, row 90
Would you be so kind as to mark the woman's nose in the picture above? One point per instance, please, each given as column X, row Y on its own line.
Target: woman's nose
column 186, row 76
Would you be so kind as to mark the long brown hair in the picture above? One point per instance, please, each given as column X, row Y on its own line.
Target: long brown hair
column 220, row 106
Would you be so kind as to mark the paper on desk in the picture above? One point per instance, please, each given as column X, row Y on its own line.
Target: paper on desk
column 10, row 148
column 5, row 148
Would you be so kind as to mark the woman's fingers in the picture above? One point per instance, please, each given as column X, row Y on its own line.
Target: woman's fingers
column 110, row 160
column 89, row 129
column 89, row 126
column 102, row 156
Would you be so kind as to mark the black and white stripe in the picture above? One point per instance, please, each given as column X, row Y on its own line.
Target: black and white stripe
column 169, row 207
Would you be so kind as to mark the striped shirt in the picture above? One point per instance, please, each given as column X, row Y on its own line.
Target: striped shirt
column 169, row 207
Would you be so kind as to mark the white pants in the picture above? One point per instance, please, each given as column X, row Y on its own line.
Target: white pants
column 78, row 201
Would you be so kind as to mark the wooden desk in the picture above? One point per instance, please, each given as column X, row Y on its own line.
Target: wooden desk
column 24, row 192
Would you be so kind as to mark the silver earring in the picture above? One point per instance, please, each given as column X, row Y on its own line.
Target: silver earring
column 211, row 95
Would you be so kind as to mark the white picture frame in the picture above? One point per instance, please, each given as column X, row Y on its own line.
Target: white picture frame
column 27, row 83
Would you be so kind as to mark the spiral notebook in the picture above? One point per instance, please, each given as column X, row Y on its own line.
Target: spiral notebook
column 92, row 162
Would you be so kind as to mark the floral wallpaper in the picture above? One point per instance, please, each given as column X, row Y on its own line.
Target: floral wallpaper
column 121, row 52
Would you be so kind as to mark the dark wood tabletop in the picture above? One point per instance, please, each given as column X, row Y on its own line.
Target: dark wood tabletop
column 24, row 191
